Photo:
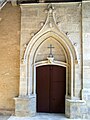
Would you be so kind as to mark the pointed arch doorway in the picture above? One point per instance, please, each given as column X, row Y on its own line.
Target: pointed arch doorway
column 51, row 88
column 34, row 52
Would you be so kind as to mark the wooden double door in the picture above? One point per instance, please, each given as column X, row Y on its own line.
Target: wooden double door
column 51, row 88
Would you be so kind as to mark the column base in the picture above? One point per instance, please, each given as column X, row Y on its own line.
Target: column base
column 25, row 106
column 76, row 109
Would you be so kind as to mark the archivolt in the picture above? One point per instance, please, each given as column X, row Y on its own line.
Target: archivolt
column 31, row 51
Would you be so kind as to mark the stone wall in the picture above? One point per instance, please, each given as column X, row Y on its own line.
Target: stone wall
column 73, row 20
column 9, row 57
column 86, row 55
column 86, row 40
column 68, row 20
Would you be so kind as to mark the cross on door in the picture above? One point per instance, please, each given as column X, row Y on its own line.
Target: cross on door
column 50, row 47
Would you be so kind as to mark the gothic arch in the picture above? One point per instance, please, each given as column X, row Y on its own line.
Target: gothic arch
column 29, row 60
column 58, row 36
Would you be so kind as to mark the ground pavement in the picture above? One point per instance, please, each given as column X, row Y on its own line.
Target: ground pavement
column 4, row 117
column 43, row 116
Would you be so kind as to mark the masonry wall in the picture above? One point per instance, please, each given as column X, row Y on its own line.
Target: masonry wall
column 86, row 53
column 86, row 42
column 68, row 20
column 9, row 57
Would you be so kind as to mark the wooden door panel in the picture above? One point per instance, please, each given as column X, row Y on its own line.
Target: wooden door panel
column 51, row 88
column 42, row 89
column 58, row 86
column 58, row 98
column 57, row 91
column 58, row 73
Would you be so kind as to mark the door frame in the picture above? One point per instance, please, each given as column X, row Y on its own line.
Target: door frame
column 56, row 63
column 45, row 63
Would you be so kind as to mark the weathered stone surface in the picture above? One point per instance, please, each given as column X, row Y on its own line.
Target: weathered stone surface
column 70, row 23
column 9, row 57
column 74, row 22
column 86, row 41
column 25, row 106
column 76, row 109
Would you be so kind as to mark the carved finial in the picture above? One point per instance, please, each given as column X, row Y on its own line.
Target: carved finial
column 50, row 21
column 50, row 10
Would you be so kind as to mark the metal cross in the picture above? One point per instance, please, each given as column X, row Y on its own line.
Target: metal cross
column 50, row 47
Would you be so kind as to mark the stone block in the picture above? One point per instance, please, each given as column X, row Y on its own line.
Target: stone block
column 77, row 109
column 25, row 106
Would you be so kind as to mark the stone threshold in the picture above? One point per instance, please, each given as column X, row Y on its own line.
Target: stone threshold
column 43, row 116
